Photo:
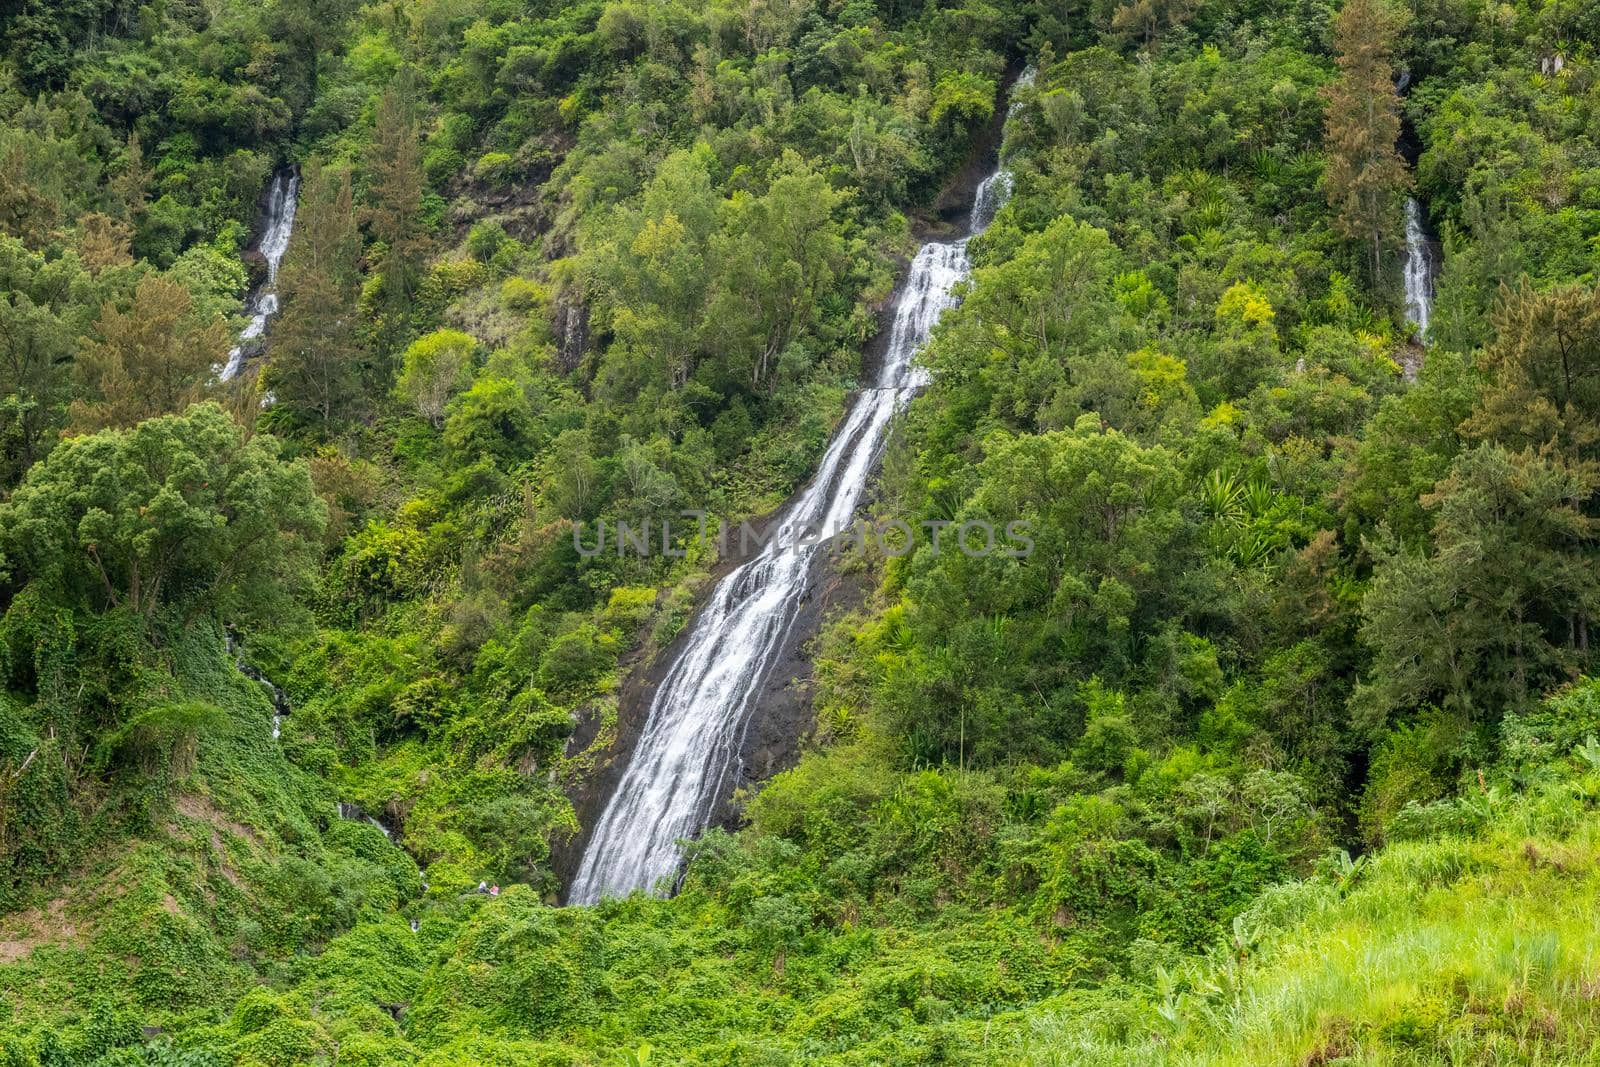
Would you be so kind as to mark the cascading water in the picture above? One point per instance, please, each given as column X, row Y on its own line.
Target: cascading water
column 696, row 720
column 994, row 190
column 354, row 813
column 1024, row 80
column 280, row 708
column 991, row 193
column 282, row 199
column 1418, row 269
column 280, row 699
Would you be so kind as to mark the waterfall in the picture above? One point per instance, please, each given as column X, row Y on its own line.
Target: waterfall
column 1024, row 80
column 282, row 198
column 991, row 193
column 695, row 724
column 1418, row 269
column 995, row 190
column 572, row 327
column 354, row 813
column 280, row 699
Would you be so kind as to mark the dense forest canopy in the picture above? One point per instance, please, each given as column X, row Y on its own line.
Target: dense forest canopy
column 1278, row 747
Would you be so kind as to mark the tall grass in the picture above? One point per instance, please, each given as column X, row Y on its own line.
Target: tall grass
column 1454, row 950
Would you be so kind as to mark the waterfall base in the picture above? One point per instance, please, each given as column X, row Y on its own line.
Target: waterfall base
column 778, row 727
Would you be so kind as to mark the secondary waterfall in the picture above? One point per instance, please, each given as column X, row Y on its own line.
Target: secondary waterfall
column 1418, row 269
column 280, row 699
column 994, row 190
column 696, row 720
column 354, row 813
column 990, row 195
column 282, row 198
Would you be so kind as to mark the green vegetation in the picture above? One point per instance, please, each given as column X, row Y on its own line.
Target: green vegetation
column 1279, row 748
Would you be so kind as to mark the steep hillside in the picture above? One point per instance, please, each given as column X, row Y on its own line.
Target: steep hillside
column 1276, row 340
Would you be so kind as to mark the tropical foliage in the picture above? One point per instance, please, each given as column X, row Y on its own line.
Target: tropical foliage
column 1277, row 747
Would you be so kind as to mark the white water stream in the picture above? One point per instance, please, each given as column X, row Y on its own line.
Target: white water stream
column 1418, row 269
column 696, row 721
column 282, row 199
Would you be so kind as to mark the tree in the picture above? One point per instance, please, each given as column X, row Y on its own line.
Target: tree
column 1491, row 614
column 777, row 923
column 779, row 253
column 495, row 419
column 435, row 368
column 104, row 242
column 179, row 517
column 129, row 188
column 652, row 274
column 43, row 37
column 25, row 209
column 310, row 29
column 313, row 361
column 1543, row 370
column 1406, row 449
column 1366, row 178
column 152, row 359
column 1018, row 343
column 1145, row 20
column 395, row 193
column 1245, row 352
column 996, row 646
column 45, row 304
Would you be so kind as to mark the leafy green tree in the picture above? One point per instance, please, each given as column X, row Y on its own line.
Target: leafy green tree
column 778, row 255
column 434, row 369
column 1014, row 349
column 881, row 149
column 177, row 518
column 1492, row 613
column 1406, row 448
column 493, row 419
column 395, row 191
column 42, row 35
column 1103, row 558
column 777, row 924
column 652, row 269
column 310, row 32
column 1245, row 353
column 45, row 305
column 961, row 98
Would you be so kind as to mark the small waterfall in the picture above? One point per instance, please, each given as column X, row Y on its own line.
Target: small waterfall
column 995, row 190
column 695, row 725
column 282, row 199
column 1024, row 80
column 353, row 813
column 992, row 192
column 572, row 327
column 1418, row 276
column 280, row 699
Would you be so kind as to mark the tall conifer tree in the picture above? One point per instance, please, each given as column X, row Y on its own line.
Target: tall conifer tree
column 1366, row 178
